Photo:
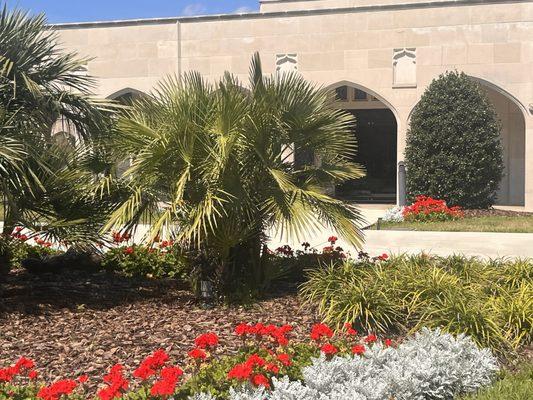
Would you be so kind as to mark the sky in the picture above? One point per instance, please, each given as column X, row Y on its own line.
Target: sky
column 59, row 11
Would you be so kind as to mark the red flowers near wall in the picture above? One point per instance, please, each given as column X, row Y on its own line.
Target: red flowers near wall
column 429, row 209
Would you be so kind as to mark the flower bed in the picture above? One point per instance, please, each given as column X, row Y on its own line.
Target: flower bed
column 429, row 209
column 334, row 365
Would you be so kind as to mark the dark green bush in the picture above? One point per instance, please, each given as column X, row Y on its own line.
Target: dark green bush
column 454, row 150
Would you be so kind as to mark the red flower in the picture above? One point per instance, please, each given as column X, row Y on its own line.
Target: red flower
column 255, row 360
column 58, row 389
column 24, row 362
column 242, row 329
column 371, row 338
column 129, row 250
column 285, row 359
column 33, row 375
column 271, row 367
column 358, row 349
column 198, row 354
column 240, row 372
column 151, row 365
column 388, row 342
column 260, row 380
column 115, row 384
column 206, row 340
column 350, row 331
column 7, row 374
column 166, row 386
column 328, row 249
column 329, row 350
column 333, row 239
column 383, row 257
column 320, row 331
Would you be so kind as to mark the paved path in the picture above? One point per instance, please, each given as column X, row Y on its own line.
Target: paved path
column 481, row 244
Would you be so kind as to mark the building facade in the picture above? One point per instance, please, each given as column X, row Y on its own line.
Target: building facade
column 379, row 55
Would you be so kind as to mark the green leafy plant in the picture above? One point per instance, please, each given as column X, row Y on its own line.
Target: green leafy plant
column 512, row 386
column 454, row 149
column 211, row 167
column 143, row 261
column 490, row 301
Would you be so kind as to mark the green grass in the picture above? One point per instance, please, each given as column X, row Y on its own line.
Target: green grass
column 511, row 387
column 515, row 224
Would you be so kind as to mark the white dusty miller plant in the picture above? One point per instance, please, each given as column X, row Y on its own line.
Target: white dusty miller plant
column 430, row 365
column 394, row 214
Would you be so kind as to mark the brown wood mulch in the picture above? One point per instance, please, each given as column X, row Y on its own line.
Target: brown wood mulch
column 76, row 324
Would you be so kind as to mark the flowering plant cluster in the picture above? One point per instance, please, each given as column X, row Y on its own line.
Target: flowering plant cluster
column 266, row 355
column 426, row 208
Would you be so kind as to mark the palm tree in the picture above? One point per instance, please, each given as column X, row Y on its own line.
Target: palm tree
column 211, row 165
column 40, row 84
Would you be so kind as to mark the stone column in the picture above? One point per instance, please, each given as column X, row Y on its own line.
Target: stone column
column 529, row 162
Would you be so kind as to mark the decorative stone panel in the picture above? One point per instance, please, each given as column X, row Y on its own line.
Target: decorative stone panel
column 404, row 67
column 286, row 62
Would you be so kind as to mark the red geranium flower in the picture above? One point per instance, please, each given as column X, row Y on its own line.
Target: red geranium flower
column 333, row 239
column 240, row 372
column 320, row 331
column 285, row 359
column 58, row 389
column 350, row 330
column 206, row 340
column 371, row 338
column 260, row 380
column 388, row 342
column 358, row 349
column 129, row 250
column 329, row 350
column 198, row 354
column 33, row 375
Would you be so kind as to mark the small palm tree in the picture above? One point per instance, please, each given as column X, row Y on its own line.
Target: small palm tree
column 40, row 84
column 211, row 165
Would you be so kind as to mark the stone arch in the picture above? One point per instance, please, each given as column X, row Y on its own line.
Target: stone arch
column 126, row 95
column 377, row 134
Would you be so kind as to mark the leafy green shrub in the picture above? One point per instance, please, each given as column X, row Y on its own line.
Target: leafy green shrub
column 490, row 301
column 453, row 149
column 142, row 261
column 512, row 387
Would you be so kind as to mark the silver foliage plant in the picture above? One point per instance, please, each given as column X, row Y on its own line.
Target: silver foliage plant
column 394, row 214
column 428, row 366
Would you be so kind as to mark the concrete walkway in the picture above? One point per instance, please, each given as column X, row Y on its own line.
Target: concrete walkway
column 479, row 244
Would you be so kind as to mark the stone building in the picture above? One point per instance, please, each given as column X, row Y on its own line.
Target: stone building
column 379, row 55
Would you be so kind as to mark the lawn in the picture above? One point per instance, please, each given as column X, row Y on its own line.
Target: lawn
column 493, row 223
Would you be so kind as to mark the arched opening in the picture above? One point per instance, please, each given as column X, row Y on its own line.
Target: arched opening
column 376, row 132
column 126, row 96
column 513, row 136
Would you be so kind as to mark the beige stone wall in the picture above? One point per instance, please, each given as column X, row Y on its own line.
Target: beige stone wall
column 132, row 56
column 493, row 42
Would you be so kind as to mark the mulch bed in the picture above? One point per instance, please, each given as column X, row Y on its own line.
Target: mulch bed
column 74, row 324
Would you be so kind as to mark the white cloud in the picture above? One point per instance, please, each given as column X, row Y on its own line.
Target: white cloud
column 194, row 9
column 243, row 10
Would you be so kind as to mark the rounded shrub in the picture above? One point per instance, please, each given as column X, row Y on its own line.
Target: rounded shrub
column 454, row 150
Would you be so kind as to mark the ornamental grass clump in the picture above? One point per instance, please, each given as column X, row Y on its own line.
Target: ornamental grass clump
column 490, row 301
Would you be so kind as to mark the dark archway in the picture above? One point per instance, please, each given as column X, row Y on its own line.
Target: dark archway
column 377, row 138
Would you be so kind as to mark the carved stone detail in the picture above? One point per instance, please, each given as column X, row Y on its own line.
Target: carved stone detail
column 286, row 62
column 404, row 67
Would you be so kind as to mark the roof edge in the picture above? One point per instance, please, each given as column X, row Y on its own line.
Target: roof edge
column 295, row 13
